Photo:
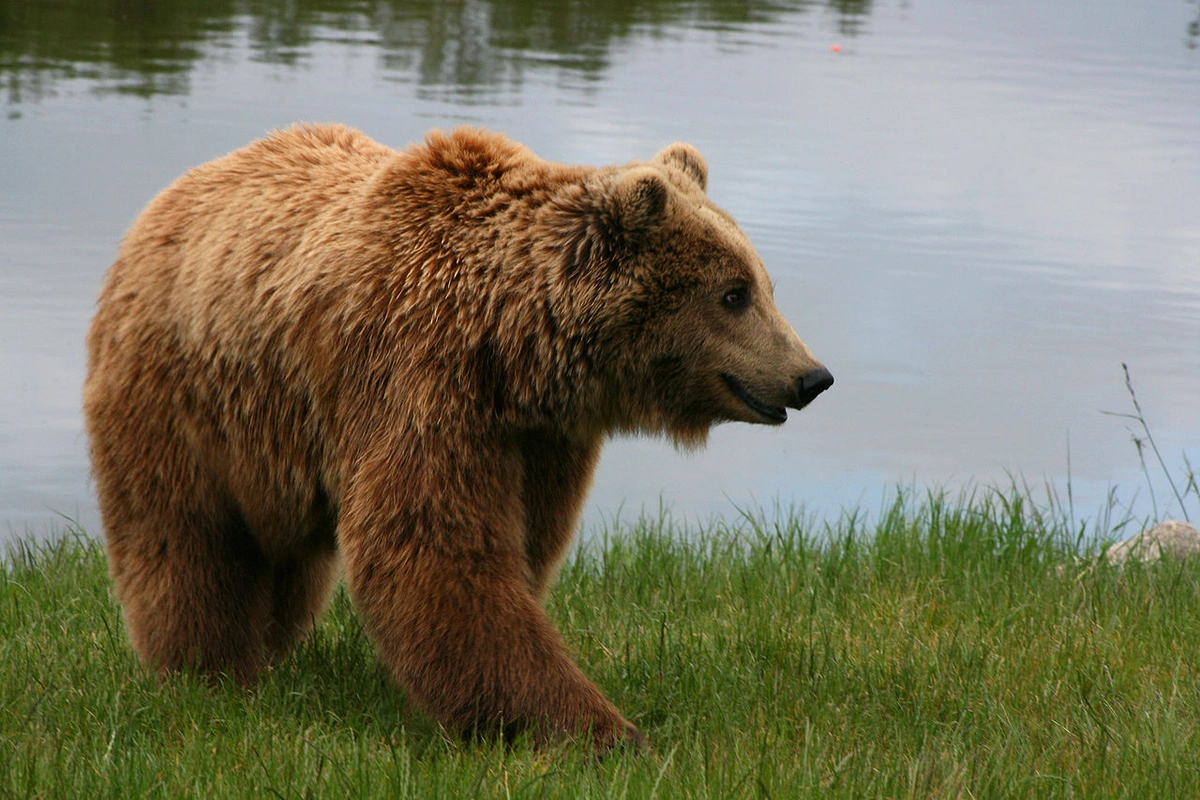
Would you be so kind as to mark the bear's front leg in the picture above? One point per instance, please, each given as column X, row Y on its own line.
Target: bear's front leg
column 557, row 473
column 435, row 562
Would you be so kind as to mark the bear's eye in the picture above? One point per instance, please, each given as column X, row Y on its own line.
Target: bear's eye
column 736, row 299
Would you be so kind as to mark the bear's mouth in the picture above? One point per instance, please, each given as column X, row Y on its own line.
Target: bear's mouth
column 775, row 414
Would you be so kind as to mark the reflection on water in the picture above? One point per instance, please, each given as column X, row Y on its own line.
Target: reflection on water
column 149, row 48
column 974, row 212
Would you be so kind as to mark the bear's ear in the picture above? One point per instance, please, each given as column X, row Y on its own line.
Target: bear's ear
column 637, row 201
column 687, row 160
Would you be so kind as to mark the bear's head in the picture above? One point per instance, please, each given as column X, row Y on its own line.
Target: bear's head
column 694, row 336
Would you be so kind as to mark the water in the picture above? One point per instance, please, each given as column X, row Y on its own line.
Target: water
column 974, row 212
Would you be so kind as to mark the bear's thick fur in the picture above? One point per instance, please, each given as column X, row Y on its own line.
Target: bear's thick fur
column 317, row 347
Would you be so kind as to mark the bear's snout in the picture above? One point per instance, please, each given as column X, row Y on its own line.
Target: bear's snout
column 811, row 384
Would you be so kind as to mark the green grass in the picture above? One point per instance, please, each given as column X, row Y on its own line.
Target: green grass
column 951, row 648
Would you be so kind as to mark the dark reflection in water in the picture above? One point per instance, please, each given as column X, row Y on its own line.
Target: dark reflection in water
column 146, row 47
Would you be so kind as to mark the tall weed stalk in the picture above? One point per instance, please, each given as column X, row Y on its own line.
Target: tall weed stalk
column 1144, row 441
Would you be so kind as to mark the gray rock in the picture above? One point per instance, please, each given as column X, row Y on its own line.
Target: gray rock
column 1174, row 538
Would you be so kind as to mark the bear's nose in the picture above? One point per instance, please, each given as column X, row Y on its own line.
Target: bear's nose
column 811, row 384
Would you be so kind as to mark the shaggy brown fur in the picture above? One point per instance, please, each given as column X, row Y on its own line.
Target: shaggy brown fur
column 318, row 346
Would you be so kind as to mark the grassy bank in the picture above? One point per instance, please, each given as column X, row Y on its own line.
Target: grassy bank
column 950, row 649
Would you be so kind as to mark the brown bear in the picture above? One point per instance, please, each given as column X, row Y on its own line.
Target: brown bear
column 318, row 351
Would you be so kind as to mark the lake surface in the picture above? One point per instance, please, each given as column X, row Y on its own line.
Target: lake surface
column 974, row 212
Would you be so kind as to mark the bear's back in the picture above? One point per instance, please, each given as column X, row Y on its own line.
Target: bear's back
column 212, row 250
column 248, row 209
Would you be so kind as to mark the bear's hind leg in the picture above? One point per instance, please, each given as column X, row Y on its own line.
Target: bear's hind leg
column 196, row 594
